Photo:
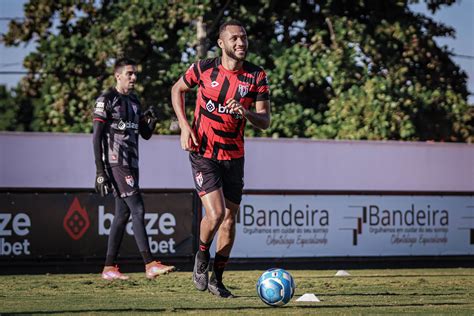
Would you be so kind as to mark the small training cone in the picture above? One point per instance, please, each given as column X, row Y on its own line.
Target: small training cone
column 308, row 297
column 342, row 273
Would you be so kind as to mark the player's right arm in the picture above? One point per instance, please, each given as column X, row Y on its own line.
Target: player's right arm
column 102, row 183
column 188, row 137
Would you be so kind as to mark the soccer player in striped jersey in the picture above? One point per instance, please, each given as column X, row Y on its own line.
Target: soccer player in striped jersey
column 118, row 123
column 230, row 92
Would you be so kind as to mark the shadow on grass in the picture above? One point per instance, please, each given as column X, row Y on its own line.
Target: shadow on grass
column 388, row 275
column 296, row 306
column 131, row 310
column 373, row 294
column 291, row 307
column 392, row 294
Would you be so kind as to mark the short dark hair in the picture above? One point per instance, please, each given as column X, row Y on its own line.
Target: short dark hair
column 122, row 62
column 228, row 23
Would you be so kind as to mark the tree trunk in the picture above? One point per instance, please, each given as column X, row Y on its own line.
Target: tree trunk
column 201, row 39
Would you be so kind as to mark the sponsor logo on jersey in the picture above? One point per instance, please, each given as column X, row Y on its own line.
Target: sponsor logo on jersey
column 124, row 125
column 121, row 125
column 130, row 181
column 199, row 178
column 221, row 109
column 210, row 106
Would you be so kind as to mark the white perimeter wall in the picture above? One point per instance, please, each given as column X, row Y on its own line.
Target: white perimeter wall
column 45, row 160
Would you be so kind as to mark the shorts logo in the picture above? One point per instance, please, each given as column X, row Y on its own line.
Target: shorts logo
column 210, row 106
column 214, row 84
column 199, row 178
column 130, row 181
column 243, row 90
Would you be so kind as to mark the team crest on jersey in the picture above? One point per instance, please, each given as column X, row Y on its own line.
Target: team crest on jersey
column 210, row 106
column 130, row 181
column 199, row 178
column 243, row 90
column 214, row 84
column 135, row 108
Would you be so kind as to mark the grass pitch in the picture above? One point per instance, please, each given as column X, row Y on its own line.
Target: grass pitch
column 426, row 291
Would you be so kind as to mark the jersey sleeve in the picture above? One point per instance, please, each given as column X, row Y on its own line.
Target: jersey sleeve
column 263, row 91
column 191, row 76
column 100, row 109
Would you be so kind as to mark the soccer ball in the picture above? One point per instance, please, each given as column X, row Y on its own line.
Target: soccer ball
column 276, row 287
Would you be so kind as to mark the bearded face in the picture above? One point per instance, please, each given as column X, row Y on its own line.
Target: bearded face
column 234, row 43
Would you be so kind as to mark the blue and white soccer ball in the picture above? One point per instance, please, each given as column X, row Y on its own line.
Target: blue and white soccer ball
column 276, row 287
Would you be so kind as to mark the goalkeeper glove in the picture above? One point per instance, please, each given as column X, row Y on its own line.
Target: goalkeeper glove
column 151, row 115
column 102, row 183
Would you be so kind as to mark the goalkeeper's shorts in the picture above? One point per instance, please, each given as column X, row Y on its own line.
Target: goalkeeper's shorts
column 124, row 181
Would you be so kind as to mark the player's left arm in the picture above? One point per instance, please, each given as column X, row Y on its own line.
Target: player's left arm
column 148, row 122
column 259, row 118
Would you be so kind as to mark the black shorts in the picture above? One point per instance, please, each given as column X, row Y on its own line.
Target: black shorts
column 210, row 175
column 124, row 180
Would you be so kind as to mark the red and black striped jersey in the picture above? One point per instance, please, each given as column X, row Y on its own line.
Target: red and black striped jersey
column 221, row 133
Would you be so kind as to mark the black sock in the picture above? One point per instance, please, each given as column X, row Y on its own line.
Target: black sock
column 146, row 255
column 203, row 256
column 109, row 260
column 203, row 253
column 219, row 265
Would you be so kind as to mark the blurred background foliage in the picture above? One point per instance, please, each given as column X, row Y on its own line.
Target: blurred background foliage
column 338, row 69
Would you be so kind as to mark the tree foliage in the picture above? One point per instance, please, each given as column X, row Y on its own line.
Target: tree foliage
column 340, row 69
column 16, row 110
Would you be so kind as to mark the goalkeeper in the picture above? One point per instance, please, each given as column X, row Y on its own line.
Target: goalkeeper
column 118, row 121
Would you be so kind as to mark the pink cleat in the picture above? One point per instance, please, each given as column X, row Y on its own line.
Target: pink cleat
column 112, row 273
column 156, row 268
